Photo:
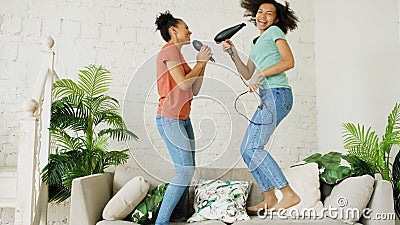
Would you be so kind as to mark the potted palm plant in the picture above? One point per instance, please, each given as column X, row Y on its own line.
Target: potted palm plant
column 84, row 119
column 365, row 144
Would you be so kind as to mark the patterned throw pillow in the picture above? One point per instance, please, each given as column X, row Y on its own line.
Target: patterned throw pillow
column 220, row 200
column 146, row 212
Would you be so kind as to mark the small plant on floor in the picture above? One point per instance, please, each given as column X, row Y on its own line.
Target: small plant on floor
column 83, row 121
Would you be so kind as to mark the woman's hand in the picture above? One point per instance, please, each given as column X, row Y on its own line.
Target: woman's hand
column 204, row 54
column 228, row 44
column 253, row 83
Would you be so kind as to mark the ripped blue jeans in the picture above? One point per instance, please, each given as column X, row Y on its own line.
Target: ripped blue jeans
column 276, row 104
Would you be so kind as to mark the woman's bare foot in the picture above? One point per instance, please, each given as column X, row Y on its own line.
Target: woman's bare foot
column 262, row 205
column 289, row 199
column 269, row 201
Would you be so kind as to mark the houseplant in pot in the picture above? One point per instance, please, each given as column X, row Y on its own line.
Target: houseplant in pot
column 84, row 121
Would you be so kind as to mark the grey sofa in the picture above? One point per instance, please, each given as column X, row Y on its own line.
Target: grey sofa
column 90, row 194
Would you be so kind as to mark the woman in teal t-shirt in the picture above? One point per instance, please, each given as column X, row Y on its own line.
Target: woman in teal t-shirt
column 270, row 56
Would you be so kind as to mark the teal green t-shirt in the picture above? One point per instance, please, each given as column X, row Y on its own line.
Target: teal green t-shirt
column 264, row 54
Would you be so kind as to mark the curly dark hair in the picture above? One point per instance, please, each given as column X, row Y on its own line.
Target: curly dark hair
column 287, row 18
column 163, row 22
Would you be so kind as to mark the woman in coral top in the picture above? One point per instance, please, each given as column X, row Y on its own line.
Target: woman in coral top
column 177, row 83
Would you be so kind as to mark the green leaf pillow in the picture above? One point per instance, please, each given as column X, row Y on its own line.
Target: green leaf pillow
column 146, row 212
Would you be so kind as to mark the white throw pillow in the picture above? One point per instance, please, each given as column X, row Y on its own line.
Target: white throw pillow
column 220, row 200
column 304, row 180
column 126, row 199
column 349, row 198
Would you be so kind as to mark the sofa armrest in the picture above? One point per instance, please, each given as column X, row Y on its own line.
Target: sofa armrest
column 381, row 205
column 89, row 196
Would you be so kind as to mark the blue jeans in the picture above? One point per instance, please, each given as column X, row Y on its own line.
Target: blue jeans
column 179, row 137
column 276, row 104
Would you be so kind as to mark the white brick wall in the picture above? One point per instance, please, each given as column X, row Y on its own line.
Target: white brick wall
column 121, row 35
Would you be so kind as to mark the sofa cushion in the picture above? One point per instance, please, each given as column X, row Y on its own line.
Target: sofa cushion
column 126, row 199
column 349, row 198
column 304, row 180
column 220, row 200
column 228, row 174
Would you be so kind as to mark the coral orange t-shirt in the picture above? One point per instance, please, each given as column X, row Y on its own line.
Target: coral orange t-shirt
column 174, row 102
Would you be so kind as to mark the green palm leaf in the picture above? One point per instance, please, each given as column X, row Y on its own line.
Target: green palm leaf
column 74, row 100
column 361, row 143
column 394, row 120
column 105, row 103
column 94, row 80
column 356, row 137
column 391, row 136
column 65, row 87
column 101, row 144
column 65, row 141
column 101, row 104
column 75, row 172
column 118, row 134
column 65, row 115
column 58, row 193
column 58, row 165
column 111, row 118
column 114, row 158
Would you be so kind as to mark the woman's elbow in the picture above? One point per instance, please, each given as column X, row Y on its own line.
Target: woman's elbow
column 195, row 91
column 290, row 64
column 247, row 76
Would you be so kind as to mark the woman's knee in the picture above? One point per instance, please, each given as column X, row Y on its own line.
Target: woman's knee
column 185, row 173
column 247, row 156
